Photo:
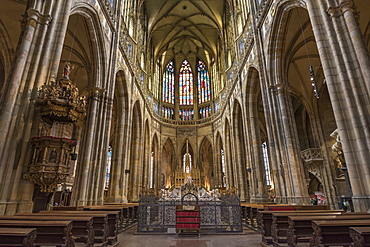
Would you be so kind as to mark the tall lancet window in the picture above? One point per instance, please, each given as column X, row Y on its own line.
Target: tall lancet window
column 223, row 168
column 186, row 84
column 266, row 162
column 204, row 89
column 151, row 173
column 107, row 168
column 187, row 159
column 169, row 83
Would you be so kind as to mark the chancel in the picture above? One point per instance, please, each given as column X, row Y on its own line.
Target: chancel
column 120, row 105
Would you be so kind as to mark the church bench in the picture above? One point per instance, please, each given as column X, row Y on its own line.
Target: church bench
column 300, row 227
column 17, row 237
column 53, row 233
column 360, row 236
column 65, row 208
column 127, row 213
column 100, row 223
column 250, row 212
column 82, row 229
column 121, row 210
column 265, row 219
column 334, row 232
column 280, row 222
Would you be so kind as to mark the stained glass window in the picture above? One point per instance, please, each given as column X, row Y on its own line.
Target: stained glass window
column 107, row 168
column 169, row 83
column 167, row 112
column 266, row 162
column 204, row 112
column 186, row 114
column 204, row 90
column 186, row 84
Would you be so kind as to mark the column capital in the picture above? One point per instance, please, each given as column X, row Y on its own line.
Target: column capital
column 344, row 6
column 34, row 14
column 279, row 88
column 96, row 93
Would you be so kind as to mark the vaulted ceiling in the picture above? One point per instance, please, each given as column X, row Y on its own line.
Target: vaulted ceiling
column 185, row 29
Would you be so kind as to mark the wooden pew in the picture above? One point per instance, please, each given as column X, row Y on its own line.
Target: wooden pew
column 54, row 233
column 280, row 222
column 300, row 227
column 126, row 217
column 360, row 236
column 17, row 237
column 82, row 230
column 265, row 221
column 334, row 232
column 100, row 223
column 122, row 216
column 66, row 208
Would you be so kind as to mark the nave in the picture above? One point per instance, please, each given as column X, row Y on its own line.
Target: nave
column 249, row 238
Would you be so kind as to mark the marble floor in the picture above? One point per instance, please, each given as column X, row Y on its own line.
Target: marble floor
column 129, row 238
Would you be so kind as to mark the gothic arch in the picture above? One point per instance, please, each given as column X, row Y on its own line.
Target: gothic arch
column 88, row 47
column 118, row 141
column 206, row 162
column 157, row 177
column 277, row 36
column 168, row 163
column 219, row 169
column 256, row 134
column 6, row 56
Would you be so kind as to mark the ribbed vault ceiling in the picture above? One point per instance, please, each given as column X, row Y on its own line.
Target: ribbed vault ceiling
column 185, row 29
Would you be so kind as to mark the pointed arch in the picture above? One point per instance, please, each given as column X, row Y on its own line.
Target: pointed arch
column 256, row 137
column 206, row 163
column 187, row 154
column 219, row 170
column 168, row 163
column 118, row 138
column 156, row 178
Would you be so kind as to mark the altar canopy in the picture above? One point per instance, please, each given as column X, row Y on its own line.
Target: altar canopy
column 220, row 211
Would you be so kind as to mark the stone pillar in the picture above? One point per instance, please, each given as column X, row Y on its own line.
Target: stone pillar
column 239, row 166
column 290, row 151
column 18, row 120
column 229, row 159
column 345, row 72
column 84, row 180
column 117, row 190
column 258, row 166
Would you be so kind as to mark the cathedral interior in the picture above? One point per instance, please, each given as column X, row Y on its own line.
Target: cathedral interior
column 105, row 100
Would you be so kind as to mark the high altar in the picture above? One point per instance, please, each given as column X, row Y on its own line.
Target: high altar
column 220, row 211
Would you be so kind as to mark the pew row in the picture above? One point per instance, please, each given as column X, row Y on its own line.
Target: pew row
column 300, row 227
column 100, row 223
column 82, row 230
column 53, row 233
column 265, row 220
column 17, row 237
column 360, row 236
column 334, row 232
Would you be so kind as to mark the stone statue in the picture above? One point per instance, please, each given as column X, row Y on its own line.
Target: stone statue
column 337, row 148
column 67, row 70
